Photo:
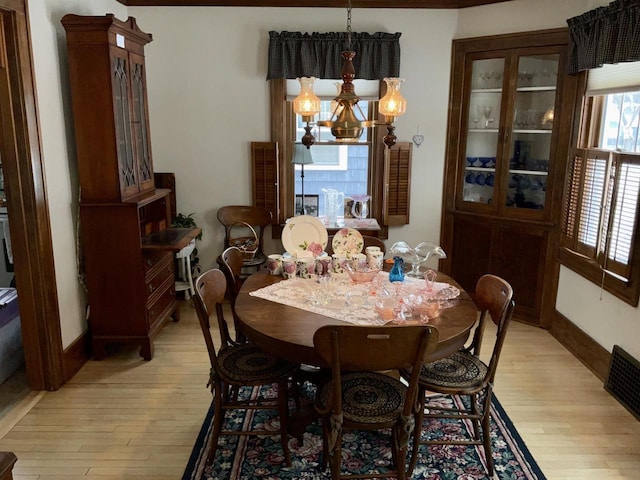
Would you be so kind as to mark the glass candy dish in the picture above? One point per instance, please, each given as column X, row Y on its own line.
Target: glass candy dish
column 417, row 255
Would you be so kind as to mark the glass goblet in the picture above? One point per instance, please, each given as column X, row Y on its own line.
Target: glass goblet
column 360, row 208
column 486, row 111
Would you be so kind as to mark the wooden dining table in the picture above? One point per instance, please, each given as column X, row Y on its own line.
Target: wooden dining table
column 288, row 331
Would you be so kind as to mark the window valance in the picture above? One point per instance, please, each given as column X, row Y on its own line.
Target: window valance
column 295, row 54
column 608, row 34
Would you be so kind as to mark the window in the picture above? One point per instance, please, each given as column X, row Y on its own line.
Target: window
column 370, row 168
column 341, row 167
column 620, row 122
column 344, row 167
column 600, row 225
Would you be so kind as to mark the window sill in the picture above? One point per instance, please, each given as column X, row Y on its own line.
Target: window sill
column 627, row 291
column 373, row 230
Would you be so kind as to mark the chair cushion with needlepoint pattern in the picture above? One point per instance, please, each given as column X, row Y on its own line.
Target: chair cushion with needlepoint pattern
column 368, row 397
column 461, row 370
column 248, row 364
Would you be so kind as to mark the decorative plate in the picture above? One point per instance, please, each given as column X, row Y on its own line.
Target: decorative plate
column 304, row 233
column 347, row 241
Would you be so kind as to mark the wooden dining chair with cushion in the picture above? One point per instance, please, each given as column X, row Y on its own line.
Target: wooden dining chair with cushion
column 358, row 396
column 238, row 365
column 463, row 374
column 243, row 225
column 368, row 241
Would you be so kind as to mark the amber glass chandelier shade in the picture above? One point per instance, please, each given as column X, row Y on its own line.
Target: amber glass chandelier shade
column 306, row 104
column 393, row 104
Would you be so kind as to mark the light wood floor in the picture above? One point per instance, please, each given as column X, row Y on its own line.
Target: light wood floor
column 124, row 418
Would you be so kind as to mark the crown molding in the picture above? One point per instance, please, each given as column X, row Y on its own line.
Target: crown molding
column 311, row 3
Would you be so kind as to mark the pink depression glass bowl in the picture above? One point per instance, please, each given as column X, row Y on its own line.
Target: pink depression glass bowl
column 363, row 275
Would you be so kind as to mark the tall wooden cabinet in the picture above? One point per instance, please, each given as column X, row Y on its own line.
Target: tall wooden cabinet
column 508, row 135
column 127, row 244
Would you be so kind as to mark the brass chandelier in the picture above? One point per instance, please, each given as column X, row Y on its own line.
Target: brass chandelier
column 345, row 123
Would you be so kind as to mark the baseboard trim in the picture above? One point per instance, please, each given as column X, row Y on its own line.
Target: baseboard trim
column 76, row 355
column 581, row 345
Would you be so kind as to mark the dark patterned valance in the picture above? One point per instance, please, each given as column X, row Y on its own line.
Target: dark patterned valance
column 295, row 54
column 605, row 35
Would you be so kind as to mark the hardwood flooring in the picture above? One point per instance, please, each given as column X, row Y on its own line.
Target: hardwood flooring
column 13, row 389
column 124, row 418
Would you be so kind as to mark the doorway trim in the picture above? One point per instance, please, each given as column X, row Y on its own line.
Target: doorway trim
column 21, row 150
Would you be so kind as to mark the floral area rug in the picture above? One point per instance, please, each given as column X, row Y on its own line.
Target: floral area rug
column 260, row 457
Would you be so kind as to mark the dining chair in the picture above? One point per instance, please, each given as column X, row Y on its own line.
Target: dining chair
column 464, row 374
column 359, row 396
column 245, row 223
column 368, row 240
column 238, row 365
column 231, row 261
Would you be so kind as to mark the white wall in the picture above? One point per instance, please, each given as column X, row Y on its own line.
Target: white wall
column 600, row 315
column 208, row 99
column 521, row 16
column 58, row 147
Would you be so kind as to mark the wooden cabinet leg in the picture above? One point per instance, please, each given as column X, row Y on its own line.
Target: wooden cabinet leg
column 99, row 351
column 146, row 349
column 176, row 314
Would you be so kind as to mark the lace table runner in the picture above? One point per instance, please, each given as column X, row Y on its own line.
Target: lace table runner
column 349, row 302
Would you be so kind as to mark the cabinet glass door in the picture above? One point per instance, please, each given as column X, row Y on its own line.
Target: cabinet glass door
column 122, row 116
column 483, row 120
column 531, row 128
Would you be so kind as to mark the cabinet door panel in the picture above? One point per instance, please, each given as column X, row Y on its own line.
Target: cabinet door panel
column 471, row 252
column 532, row 128
column 483, row 128
column 141, row 140
column 521, row 254
column 122, row 116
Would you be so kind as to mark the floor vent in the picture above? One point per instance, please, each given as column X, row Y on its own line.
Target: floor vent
column 623, row 380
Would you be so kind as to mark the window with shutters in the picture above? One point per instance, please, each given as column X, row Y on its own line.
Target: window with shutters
column 600, row 225
column 365, row 167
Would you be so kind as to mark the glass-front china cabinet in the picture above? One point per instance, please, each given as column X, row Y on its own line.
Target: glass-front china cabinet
column 509, row 130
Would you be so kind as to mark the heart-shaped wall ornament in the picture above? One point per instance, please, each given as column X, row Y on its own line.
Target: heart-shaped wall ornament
column 418, row 139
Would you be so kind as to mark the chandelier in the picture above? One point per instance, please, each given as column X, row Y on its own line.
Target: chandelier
column 347, row 119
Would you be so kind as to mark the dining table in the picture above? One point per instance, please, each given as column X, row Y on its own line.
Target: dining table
column 287, row 331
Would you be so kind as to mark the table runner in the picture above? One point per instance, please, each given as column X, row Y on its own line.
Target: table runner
column 305, row 294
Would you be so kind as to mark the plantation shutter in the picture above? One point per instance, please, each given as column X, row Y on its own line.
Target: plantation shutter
column 570, row 213
column 601, row 208
column 592, row 202
column 622, row 210
column 264, row 160
column 397, row 171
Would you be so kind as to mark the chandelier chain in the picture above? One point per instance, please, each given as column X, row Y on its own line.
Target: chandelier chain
column 349, row 25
